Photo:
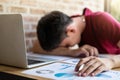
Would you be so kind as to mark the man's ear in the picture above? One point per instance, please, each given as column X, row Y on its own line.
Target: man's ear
column 70, row 30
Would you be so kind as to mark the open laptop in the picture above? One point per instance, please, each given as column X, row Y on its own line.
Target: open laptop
column 12, row 43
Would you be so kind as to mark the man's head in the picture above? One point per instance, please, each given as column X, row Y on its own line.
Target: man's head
column 51, row 29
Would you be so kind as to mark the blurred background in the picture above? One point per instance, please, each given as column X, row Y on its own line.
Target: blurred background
column 115, row 9
column 33, row 10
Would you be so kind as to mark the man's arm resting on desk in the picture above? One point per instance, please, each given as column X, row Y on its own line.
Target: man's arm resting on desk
column 83, row 51
column 59, row 51
column 96, row 65
column 115, row 60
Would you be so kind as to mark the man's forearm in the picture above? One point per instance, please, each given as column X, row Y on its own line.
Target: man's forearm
column 59, row 51
column 115, row 60
column 62, row 52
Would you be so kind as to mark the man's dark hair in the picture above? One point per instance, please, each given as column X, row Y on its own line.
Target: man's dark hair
column 51, row 29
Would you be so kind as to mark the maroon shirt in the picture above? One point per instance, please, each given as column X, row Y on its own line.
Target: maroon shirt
column 102, row 31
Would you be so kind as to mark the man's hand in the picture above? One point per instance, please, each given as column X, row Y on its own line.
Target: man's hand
column 93, row 66
column 85, row 51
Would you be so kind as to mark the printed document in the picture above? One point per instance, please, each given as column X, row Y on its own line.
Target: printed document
column 65, row 71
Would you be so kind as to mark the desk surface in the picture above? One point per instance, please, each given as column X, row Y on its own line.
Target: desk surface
column 17, row 71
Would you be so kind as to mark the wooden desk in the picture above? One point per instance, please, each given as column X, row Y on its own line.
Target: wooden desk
column 17, row 71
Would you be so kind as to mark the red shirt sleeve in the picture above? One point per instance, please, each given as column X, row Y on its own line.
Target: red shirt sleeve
column 106, row 31
column 107, row 27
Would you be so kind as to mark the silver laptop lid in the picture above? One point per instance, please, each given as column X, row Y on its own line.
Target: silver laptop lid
column 12, row 41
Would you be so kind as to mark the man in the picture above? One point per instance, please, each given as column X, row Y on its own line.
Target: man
column 94, row 32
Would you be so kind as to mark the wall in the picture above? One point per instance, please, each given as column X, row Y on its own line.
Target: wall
column 32, row 10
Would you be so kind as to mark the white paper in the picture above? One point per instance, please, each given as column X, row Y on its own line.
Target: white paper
column 38, row 56
column 72, row 60
column 64, row 71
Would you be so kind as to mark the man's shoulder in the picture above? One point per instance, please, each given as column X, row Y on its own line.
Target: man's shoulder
column 100, row 14
column 89, row 12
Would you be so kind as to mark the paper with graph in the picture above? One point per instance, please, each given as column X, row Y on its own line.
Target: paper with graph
column 65, row 71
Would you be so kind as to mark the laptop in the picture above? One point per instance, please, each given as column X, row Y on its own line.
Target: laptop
column 13, row 44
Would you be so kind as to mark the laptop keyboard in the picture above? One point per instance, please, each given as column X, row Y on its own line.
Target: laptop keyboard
column 34, row 61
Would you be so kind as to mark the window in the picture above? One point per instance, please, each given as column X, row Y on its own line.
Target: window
column 115, row 9
column 113, row 6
